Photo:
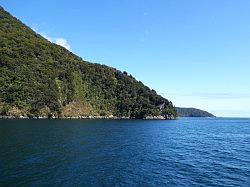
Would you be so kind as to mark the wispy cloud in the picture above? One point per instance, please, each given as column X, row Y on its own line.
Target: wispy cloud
column 218, row 103
column 46, row 37
column 212, row 95
column 62, row 42
column 231, row 113
column 59, row 41
column 225, row 95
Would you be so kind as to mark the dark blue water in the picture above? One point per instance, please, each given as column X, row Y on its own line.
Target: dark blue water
column 184, row 152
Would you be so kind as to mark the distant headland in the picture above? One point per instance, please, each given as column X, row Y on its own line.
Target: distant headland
column 192, row 112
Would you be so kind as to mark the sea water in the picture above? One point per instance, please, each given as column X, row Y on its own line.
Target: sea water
column 183, row 152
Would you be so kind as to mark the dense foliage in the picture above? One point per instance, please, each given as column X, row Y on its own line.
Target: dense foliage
column 38, row 78
column 192, row 112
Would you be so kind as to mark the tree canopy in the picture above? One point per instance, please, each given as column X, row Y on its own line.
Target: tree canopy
column 38, row 77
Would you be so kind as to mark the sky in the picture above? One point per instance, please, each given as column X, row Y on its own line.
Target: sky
column 195, row 53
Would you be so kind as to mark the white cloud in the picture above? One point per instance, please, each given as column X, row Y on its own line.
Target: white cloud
column 59, row 41
column 62, row 42
column 47, row 37
column 219, row 104
column 216, row 95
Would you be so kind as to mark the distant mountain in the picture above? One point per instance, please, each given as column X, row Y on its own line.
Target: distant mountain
column 192, row 112
column 41, row 79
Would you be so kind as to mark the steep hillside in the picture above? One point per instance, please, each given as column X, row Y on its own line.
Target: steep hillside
column 39, row 78
column 192, row 112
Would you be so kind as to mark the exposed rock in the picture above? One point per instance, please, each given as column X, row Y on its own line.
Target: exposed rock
column 15, row 112
column 76, row 108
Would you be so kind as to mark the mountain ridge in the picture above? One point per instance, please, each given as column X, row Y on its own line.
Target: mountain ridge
column 42, row 79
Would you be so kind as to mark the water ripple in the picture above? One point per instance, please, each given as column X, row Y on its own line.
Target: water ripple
column 184, row 152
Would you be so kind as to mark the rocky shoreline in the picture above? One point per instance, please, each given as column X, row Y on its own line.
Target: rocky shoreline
column 167, row 117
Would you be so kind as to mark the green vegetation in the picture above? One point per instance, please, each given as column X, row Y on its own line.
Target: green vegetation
column 192, row 112
column 39, row 78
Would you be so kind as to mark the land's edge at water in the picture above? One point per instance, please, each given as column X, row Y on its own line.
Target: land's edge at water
column 182, row 112
column 168, row 117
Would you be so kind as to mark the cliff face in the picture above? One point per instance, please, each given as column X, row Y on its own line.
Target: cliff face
column 39, row 78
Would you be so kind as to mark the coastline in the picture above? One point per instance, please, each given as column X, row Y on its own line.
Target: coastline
column 168, row 117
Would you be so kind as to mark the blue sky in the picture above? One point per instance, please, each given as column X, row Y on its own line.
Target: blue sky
column 196, row 53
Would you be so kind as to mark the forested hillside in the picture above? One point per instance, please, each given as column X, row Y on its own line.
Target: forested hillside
column 40, row 78
column 192, row 112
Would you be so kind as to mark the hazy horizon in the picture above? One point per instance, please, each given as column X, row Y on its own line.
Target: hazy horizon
column 194, row 53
